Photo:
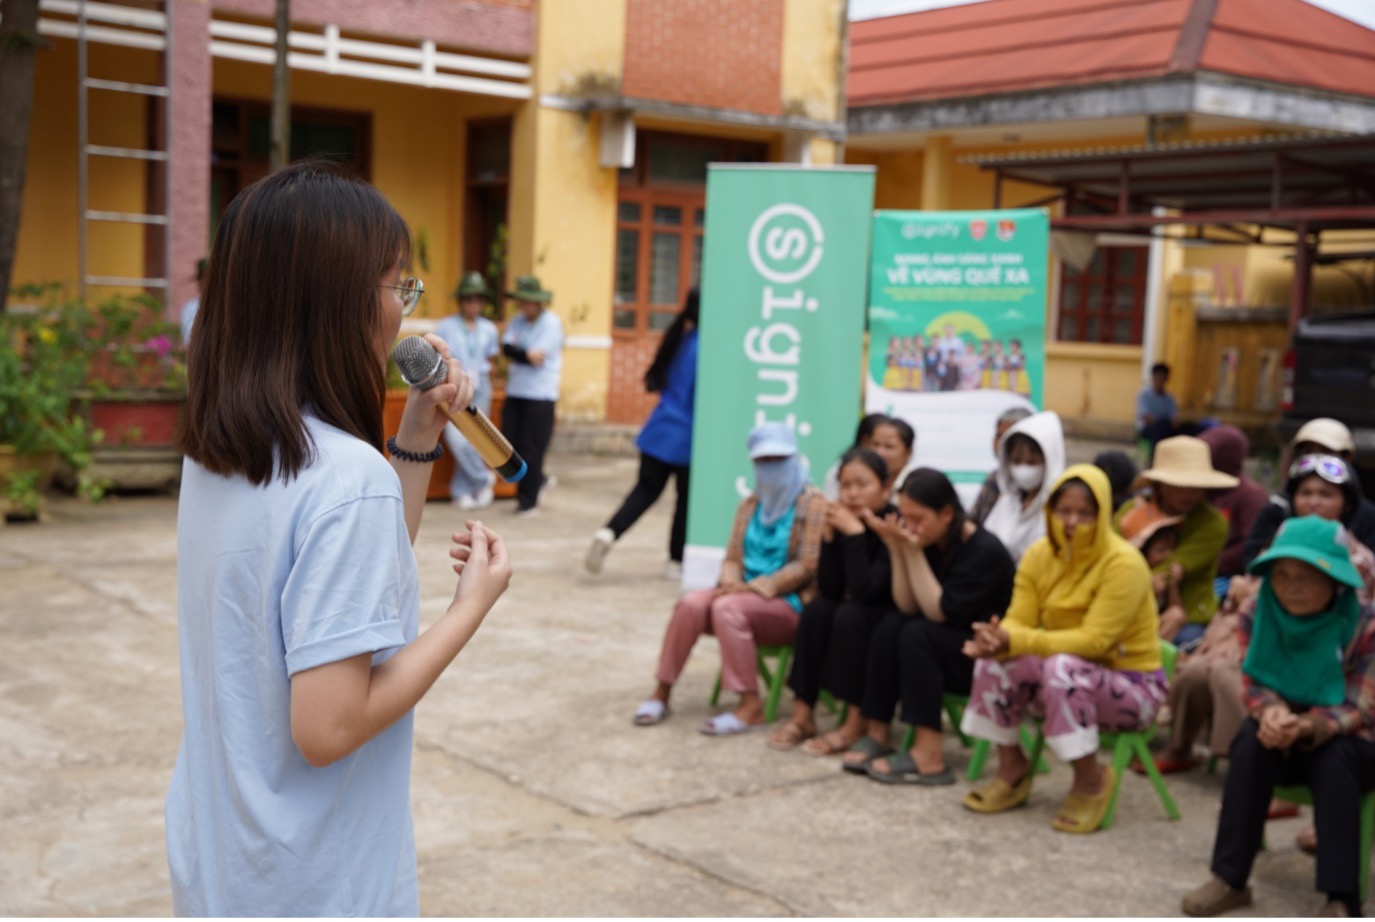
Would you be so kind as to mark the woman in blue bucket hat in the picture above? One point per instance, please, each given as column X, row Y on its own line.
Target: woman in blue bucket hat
column 768, row 575
column 1309, row 677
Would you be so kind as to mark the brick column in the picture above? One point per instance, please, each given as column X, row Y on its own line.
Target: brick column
column 188, row 78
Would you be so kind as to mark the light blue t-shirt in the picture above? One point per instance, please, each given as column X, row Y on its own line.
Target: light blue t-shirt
column 546, row 333
column 271, row 581
column 473, row 346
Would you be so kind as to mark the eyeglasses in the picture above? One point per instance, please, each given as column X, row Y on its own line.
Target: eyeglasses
column 409, row 291
column 1333, row 470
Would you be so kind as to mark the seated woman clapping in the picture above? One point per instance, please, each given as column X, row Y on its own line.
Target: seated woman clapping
column 1078, row 649
column 947, row 572
column 853, row 583
column 768, row 574
column 1309, row 672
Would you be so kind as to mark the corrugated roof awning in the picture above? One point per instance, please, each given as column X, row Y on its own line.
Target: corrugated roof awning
column 1323, row 181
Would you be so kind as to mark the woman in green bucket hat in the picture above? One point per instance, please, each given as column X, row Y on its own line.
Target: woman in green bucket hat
column 1309, row 677
column 534, row 344
column 474, row 341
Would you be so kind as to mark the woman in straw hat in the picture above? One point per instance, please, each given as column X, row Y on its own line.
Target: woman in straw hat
column 1309, row 669
column 1179, row 483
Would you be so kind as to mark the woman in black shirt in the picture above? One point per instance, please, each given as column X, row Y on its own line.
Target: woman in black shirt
column 853, row 584
column 947, row 574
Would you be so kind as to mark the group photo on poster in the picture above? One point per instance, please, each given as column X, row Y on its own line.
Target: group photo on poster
column 957, row 327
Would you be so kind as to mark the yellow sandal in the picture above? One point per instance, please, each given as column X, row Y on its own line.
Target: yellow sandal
column 997, row 796
column 1083, row 813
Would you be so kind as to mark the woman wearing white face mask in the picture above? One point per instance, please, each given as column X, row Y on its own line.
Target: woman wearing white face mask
column 1031, row 457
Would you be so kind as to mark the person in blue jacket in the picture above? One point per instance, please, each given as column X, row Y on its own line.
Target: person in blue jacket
column 665, row 442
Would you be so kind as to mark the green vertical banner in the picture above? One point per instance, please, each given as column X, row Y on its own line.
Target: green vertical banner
column 957, row 308
column 782, row 323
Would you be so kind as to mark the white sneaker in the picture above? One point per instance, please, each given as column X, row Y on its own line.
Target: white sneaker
column 673, row 570
column 464, row 502
column 602, row 539
column 484, row 498
column 550, row 482
column 527, row 513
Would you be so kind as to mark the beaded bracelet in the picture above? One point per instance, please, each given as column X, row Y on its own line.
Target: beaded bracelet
column 404, row 455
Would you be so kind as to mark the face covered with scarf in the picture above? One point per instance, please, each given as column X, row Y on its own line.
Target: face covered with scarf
column 1306, row 613
column 779, row 474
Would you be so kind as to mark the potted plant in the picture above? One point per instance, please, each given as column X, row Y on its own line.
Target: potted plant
column 134, row 392
column 45, row 351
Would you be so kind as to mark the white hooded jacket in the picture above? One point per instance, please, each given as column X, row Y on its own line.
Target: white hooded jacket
column 1018, row 526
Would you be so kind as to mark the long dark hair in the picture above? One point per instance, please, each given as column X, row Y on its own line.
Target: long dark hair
column 656, row 378
column 866, row 428
column 869, row 459
column 906, row 434
column 290, row 320
column 930, row 488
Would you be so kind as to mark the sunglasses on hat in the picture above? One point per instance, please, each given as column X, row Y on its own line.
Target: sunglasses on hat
column 1333, row 470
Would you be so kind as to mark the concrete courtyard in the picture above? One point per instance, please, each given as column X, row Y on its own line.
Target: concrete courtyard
column 534, row 795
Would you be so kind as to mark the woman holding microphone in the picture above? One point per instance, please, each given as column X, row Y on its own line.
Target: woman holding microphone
column 298, row 591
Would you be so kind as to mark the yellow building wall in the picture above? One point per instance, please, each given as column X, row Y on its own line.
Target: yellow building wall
column 417, row 157
column 813, row 59
column 563, row 202
column 47, row 249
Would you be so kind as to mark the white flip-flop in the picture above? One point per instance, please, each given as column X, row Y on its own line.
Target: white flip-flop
column 650, row 713
column 727, row 724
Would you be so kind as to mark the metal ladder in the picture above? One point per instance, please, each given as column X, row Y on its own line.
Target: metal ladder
column 118, row 15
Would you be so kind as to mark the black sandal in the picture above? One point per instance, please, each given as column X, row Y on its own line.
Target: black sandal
column 871, row 748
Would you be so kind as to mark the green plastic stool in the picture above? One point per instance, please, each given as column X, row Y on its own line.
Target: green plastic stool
column 1128, row 743
column 983, row 747
column 1302, row 794
column 773, row 678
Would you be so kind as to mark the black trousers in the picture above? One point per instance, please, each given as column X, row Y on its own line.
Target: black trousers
column 653, row 478
column 528, row 425
column 1337, row 772
column 814, row 628
column 831, row 649
column 917, row 662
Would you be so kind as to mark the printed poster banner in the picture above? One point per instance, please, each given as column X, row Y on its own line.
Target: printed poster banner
column 957, row 306
column 781, row 335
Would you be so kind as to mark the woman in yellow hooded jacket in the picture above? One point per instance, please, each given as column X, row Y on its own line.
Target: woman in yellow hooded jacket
column 1077, row 648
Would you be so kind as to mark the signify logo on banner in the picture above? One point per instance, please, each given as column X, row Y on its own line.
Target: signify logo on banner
column 781, row 332
column 957, row 328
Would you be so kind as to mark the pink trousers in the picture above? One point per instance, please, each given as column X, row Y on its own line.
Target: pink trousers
column 1073, row 696
column 739, row 620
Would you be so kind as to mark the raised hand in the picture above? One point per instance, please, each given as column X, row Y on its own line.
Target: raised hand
column 482, row 565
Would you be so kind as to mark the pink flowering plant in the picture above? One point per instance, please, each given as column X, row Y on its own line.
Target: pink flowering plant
column 56, row 353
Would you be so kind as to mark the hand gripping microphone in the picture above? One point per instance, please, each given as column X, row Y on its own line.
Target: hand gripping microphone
column 423, row 368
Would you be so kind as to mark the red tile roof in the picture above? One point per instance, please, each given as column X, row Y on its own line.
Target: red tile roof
column 1000, row 46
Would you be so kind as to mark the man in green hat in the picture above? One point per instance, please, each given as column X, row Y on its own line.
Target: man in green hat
column 473, row 340
column 534, row 344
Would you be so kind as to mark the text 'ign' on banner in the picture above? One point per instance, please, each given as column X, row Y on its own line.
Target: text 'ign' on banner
column 784, row 270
